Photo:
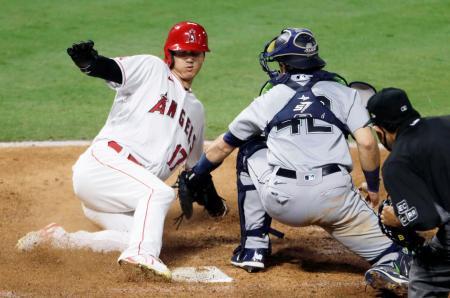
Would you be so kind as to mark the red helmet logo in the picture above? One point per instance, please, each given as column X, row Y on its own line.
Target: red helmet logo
column 191, row 36
column 185, row 36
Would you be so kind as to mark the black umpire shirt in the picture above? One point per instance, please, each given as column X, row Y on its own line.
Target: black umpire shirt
column 417, row 176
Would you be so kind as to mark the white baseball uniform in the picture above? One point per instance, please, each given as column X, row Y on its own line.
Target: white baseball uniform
column 154, row 126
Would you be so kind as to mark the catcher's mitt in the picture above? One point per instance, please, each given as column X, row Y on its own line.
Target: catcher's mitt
column 401, row 236
column 194, row 188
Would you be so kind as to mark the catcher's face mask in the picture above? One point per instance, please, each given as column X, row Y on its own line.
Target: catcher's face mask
column 294, row 47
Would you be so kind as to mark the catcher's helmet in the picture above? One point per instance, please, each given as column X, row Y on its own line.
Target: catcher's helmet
column 185, row 36
column 295, row 47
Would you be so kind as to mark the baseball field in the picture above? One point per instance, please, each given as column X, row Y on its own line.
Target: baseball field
column 44, row 97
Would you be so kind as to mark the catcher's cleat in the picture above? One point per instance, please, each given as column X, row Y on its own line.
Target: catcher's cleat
column 148, row 265
column 250, row 259
column 48, row 234
column 388, row 278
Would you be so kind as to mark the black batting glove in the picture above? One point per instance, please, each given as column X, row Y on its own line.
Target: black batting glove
column 83, row 54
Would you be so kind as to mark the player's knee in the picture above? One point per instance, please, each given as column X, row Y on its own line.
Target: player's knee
column 89, row 213
column 79, row 184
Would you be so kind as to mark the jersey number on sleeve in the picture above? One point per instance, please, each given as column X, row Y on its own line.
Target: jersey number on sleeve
column 178, row 156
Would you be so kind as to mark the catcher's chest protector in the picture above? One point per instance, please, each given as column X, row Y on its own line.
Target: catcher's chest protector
column 304, row 104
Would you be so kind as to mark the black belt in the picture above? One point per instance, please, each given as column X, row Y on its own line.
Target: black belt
column 326, row 170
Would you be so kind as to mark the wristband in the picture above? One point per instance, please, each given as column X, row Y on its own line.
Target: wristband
column 204, row 166
column 373, row 179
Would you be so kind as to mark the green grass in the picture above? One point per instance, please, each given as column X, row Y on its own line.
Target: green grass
column 43, row 96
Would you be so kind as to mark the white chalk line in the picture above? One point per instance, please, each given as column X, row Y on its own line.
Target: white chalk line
column 26, row 144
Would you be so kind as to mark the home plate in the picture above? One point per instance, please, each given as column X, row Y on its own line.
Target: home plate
column 200, row 274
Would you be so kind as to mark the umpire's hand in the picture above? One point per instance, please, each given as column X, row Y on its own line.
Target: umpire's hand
column 83, row 54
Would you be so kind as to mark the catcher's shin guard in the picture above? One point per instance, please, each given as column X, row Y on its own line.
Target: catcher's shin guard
column 254, row 221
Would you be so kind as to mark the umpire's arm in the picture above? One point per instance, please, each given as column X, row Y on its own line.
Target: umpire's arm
column 411, row 198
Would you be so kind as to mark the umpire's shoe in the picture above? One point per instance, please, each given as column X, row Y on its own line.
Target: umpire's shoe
column 250, row 259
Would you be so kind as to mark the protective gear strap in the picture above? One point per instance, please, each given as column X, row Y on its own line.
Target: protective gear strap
column 316, row 110
column 265, row 229
column 246, row 150
column 261, row 232
column 276, row 233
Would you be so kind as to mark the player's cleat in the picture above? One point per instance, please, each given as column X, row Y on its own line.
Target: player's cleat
column 250, row 259
column 48, row 235
column 384, row 277
column 147, row 264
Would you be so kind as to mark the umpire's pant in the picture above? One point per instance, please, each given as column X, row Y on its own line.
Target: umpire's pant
column 430, row 272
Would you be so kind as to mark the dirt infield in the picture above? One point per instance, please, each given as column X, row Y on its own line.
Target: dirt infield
column 36, row 189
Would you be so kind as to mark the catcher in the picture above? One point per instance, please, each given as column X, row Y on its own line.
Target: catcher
column 417, row 177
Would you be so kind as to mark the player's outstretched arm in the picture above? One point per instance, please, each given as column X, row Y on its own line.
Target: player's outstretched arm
column 211, row 158
column 369, row 156
column 88, row 61
column 218, row 150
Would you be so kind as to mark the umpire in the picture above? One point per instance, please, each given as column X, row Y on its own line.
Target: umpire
column 417, row 176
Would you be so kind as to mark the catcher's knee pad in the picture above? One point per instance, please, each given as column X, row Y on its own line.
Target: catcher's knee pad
column 246, row 150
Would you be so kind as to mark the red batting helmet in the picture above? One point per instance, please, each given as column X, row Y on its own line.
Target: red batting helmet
column 185, row 36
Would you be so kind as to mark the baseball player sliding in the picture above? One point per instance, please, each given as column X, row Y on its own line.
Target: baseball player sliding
column 301, row 175
column 155, row 124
